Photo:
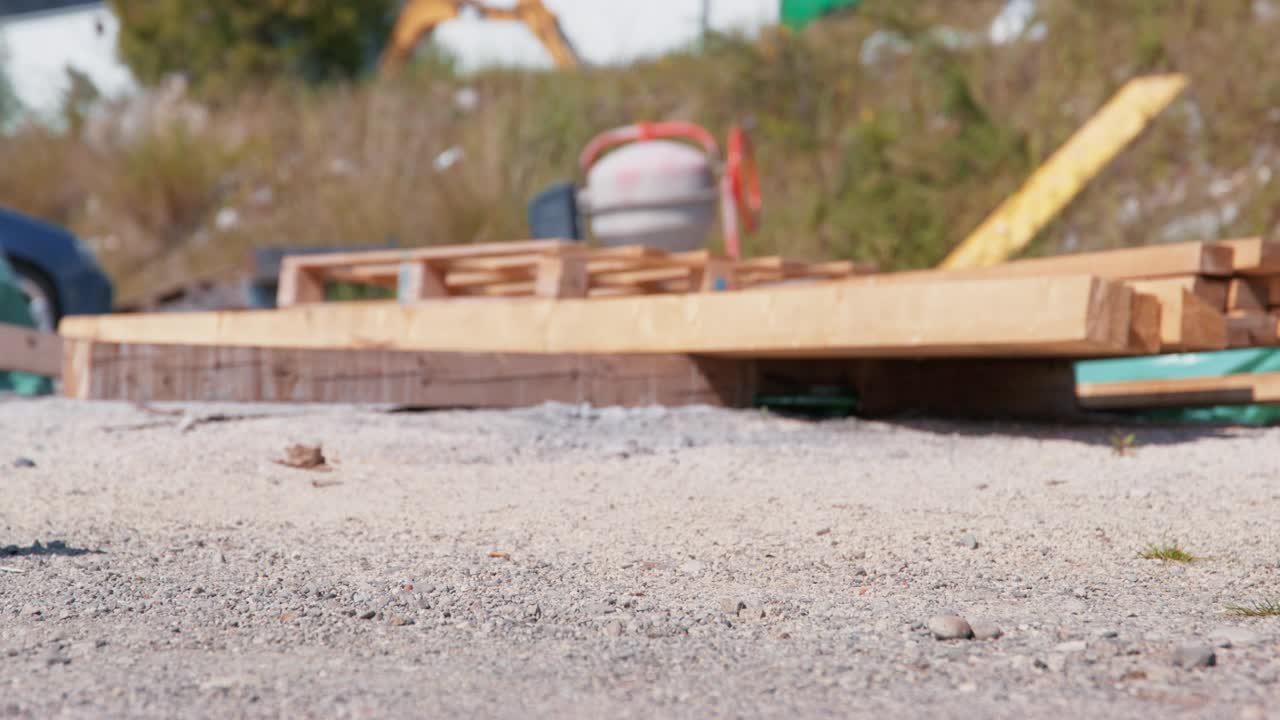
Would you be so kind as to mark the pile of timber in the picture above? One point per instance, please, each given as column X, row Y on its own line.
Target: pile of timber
column 521, row 323
column 541, row 268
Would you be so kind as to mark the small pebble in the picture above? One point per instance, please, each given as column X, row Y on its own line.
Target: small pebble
column 731, row 607
column 985, row 630
column 970, row 541
column 949, row 627
column 23, row 462
column 693, row 567
column 1071, row 646
column 1196, row 655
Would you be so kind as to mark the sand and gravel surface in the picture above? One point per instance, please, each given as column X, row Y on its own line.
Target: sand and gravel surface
column 570, row 562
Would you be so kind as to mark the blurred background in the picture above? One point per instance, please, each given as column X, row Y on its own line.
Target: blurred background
column 176, row 136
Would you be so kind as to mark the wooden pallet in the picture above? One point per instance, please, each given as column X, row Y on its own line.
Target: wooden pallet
column 550, row 269
column 25, row 350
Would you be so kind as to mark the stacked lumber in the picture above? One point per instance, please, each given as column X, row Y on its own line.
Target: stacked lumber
column 1211, row 295
column 513, row 324
column 549, row 269
column 1069, row 316
column 25, row 350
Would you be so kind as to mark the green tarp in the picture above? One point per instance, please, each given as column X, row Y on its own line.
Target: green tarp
column 798, row 13
column 14, row 311
column 1189, row 365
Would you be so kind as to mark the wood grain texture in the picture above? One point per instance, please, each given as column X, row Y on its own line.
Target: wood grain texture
column 1247, row 294
column 1187, row 322
column 25, row 350
column 1181, row 392
column 160, row 373
column 1179, row 260
column 1212, row 290
column 1061, row 316
column 1253, row 256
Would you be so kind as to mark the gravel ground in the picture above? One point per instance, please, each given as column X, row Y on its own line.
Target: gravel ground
column 568, row 562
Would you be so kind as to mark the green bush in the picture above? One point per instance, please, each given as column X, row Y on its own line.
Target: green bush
column 222, row 46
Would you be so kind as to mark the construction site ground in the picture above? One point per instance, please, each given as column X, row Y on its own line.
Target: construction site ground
column 571, row 562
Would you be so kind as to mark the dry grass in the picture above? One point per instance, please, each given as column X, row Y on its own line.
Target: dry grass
column 892, row 162
column 1167, row 552
column 1258, row 609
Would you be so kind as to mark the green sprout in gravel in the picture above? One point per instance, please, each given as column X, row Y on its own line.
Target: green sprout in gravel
column 1258, row 609
column 1168, row 552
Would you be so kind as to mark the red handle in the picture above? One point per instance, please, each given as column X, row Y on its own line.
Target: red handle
column 645, row 131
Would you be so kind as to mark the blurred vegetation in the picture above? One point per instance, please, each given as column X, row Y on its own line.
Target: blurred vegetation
column 879, row 138
column 220, row 46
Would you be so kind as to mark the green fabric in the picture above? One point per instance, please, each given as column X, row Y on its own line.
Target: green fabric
column 798, row 13
column 14, row 311
column 1185, row 365
column 1189, row 365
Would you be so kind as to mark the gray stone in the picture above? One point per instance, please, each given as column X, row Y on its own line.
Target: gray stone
column 949, row 627
column 970, row 541
column 731, row 607
column 1225, row 637
column 985, row 630
column 1195, row 655
column 23, row 462
column 693, row 568
column 613, row 628
column 1071, row 646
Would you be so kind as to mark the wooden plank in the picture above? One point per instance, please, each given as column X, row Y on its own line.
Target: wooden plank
column 715, row 276
column 1186, row 321
column 25, row 350
column 1273, row 290
column 1064, row 316
column 1254, row 256
column 419, row 281
column 298, row 285
column 1212, row 290
column 561, row 277
column 1251, row 329
column 1145, row 323
column 1241, row 389
column 1051, row 187
column 1246, row 294
column 159, row 373
column 1152, row 261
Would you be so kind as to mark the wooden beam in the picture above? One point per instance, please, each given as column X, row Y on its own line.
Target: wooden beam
column 1212, row 290
column 1250, row 329
column 418, row 280
column 1244, row 389
column 1145, row 324
column 1247, row 294
column 1151, row 261
column 1051, row 187
column 1186, row 321
column 1254, row 256
column 1063, row 316
column 159, row 373
column 1273, row 290
column 298, row 285
column 26, row 350
column 562, row 276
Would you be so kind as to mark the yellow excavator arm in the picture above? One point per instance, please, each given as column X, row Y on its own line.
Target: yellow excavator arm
column 420, row 17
